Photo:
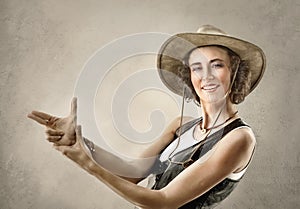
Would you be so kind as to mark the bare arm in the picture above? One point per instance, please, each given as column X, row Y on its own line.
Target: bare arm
column 136, row 169
column 61, row 131
column 231, row 154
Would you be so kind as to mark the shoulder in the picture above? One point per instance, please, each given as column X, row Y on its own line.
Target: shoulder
column 170, row 131
column 175, row 124
column 166, row 137
column 236, row 148
column 242, row 136
column 172, row 126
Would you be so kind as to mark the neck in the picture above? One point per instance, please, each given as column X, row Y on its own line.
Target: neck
column 210, row 112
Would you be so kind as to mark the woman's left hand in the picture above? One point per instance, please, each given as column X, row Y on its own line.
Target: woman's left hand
column 77, row 152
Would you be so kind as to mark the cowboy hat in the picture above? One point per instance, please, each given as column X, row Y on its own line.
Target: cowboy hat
column 173, row 51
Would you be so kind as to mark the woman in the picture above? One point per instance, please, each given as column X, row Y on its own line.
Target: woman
column 200, row 160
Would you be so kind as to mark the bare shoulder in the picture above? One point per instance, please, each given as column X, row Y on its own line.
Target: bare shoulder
column 166, row 138
column 241, row 138
column 243, row 135
column 236, row 148
column 175, row 124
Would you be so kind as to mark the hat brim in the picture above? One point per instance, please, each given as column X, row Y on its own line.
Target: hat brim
column 172, row 53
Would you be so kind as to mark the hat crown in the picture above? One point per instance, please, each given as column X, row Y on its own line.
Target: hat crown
column 210, row 29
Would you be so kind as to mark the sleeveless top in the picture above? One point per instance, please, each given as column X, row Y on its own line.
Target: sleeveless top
column 167, row 171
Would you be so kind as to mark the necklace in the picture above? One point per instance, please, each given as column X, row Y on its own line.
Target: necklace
column 204, row 130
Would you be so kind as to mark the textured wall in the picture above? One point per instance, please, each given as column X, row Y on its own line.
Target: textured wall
column 44, row 45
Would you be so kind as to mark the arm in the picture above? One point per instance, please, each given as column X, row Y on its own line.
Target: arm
column 231, row 154
column 134, row 169
column 137, row 169
column 61, row 131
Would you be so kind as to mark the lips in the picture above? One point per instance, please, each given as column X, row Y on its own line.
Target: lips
column 209, row 87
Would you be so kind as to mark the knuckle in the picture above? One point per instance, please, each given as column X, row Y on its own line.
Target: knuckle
column 54, row 125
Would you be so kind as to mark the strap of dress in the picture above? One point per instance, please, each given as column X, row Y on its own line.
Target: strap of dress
column 217, row 136
column 213, row 138
column 186, row 126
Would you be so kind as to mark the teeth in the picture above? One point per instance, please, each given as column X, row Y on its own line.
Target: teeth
column 209, row 88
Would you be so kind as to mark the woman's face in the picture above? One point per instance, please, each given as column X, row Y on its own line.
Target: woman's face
column 210, row 73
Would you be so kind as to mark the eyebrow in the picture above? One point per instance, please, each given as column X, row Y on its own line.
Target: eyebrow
column 211, row 61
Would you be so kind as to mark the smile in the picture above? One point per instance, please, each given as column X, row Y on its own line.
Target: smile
column 210, row 87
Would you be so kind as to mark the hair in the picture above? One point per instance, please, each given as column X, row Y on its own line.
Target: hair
column 242, row 81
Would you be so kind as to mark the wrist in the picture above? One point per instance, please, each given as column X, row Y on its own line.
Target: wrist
column 89, row 146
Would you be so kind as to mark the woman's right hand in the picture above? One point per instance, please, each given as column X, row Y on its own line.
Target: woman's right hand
column 60, row 131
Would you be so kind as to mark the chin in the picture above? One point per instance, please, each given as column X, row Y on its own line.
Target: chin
column 212, row 98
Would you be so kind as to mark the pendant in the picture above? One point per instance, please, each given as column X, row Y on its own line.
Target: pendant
column 203, row 131
column 201, row 135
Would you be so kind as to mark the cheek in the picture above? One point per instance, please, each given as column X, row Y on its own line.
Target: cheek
column 224, row 78
column 195, row 80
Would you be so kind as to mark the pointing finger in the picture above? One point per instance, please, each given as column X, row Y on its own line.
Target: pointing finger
column 37, row 119
column 42, row 115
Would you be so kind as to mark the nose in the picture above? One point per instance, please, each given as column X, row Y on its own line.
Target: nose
column 207, row 73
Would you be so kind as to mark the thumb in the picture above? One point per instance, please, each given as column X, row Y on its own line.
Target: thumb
column 78, row 131
column 74, row 106
column 79, row 138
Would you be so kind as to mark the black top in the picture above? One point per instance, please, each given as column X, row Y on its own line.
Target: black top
column 168, row 171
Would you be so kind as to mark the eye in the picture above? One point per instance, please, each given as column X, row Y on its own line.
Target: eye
column 217, row 65
column 196, row 68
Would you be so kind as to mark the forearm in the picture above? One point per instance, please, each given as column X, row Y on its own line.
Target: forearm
column 138, row 195
column 130, row 169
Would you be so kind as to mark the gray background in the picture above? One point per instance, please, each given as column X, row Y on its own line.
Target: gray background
column 44, row 45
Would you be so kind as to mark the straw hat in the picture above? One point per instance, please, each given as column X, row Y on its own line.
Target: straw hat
column 172, row 53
